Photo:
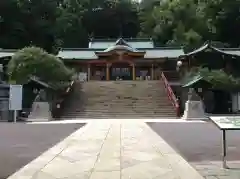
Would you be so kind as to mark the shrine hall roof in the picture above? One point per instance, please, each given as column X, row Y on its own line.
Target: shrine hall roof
column 134, row 45
column 150, row 53
column 137, row 43
column 145, row 46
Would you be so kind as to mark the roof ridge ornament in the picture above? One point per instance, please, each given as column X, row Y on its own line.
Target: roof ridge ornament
column 121, row 41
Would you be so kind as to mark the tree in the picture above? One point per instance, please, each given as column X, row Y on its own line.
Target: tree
column 29, row 22
column 225, row 17
column 176, row 23
column 111, row 18
column 11, row 27
column 51, row 24
column 219, row 79
column 35, row 62
column 71, row 31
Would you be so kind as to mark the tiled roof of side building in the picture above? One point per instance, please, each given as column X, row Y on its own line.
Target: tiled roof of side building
column 7, row 52
column 224, row 51
column 77, row 54
column 231, row 51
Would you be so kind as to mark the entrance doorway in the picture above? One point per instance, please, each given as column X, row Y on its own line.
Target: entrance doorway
column 121, row 71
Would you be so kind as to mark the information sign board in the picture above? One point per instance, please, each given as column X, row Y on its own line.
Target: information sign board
column 15, row 97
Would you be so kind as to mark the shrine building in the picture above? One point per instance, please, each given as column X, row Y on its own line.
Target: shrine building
column 124, row 59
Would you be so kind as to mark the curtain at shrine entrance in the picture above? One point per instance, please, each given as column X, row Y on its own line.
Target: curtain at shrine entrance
column 121, row 71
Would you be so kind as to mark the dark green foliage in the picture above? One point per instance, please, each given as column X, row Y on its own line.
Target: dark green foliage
column 35, row 62
column 191, row 22
column 217, row 78
column 51, row 24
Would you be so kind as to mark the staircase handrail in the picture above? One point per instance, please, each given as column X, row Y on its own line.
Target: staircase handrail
column 59, row 105
column 67, row 91
column 171, row 95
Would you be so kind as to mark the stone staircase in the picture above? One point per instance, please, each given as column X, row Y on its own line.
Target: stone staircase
column 119, row 99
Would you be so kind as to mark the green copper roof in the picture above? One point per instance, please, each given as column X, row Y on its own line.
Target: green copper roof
column 192, row 81
column 151, row 53
column 134, row 43
column 121, row 47
column 77, row 54
column 209, row 47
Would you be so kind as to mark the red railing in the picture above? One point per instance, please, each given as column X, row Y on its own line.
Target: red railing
column 171, row 95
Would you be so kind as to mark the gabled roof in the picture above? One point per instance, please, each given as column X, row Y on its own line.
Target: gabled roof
column 120, row 47
column 120, row 41
column 137, row 43
column 52, row 86
column 193, row 80
column 38, row 81
column 208, row 47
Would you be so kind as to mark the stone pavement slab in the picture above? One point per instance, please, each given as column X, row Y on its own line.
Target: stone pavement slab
column 113, row 149
column 214, row 170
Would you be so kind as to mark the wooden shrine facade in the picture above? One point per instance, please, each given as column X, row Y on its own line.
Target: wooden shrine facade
column 130, row 59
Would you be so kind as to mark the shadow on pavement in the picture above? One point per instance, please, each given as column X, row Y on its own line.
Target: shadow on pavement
column 21, row 143
column 198, row 142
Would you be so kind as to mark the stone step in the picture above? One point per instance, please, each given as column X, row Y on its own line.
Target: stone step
column 118, row 97
column 109, row 108
column 118, row 111
column 126, row 104
column 120, row 117
column 128, row 99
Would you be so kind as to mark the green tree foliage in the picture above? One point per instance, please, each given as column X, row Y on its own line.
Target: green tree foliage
column 71, row 32
column 28, row 22
column 51, row 24
column 111, row 18
column 191, row 22
column 226, row 18
column 35, row 62
column 176, row 23
column 218, row 78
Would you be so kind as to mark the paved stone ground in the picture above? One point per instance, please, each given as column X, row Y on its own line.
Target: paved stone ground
column 201, row 145
column 21, row 143
column 110, row 149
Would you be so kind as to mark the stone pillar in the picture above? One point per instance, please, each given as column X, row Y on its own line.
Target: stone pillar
column 194, row 109
column 133, row 72
column 89, row 72
column 152, row 72
column 107, row 72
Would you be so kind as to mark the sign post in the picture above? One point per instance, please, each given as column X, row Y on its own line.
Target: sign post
column 224, row 124
column 15, row 99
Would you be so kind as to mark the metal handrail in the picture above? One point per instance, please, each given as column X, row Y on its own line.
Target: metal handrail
column 171, row 95
column 60, row 103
